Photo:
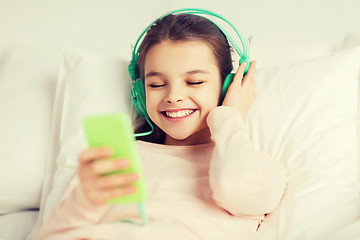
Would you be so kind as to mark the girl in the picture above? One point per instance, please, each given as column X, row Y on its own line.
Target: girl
column 205, row 180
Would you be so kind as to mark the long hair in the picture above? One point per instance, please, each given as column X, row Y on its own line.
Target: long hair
column 182, row 28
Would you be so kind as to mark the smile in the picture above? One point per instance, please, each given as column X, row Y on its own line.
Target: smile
column 181, row 114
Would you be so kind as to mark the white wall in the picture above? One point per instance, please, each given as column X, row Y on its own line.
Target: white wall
column 112, row 25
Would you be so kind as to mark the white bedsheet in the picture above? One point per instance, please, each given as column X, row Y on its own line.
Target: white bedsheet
column 17, row 225
column 339, row 223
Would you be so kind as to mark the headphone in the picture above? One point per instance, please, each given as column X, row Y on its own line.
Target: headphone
column 138, row 88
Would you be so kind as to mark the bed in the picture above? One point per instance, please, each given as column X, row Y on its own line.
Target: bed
column 58, row 59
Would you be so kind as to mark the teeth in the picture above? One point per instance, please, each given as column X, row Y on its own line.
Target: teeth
column 183, row 113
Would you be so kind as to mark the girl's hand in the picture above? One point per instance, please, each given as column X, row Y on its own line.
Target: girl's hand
column 241, row 94
column 98, row 189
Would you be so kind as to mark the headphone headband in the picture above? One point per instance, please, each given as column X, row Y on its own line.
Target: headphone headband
column 197, row 11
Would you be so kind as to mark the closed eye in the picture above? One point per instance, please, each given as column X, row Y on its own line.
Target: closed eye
column 195, row 83
column 156, row 85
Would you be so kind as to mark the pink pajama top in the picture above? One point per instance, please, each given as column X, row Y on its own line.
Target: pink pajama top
column 219, row 190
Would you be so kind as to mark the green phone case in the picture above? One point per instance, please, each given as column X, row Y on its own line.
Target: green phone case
column 115, row 131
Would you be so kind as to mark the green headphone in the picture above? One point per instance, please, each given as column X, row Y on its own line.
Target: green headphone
column 138, row 89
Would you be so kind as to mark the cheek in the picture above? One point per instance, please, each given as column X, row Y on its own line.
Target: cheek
column 208, row 99
column 149, row 101
column 152, row 102
column 213, row 94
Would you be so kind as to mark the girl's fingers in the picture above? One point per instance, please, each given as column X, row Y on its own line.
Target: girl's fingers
column 239, row 76
column 116, row 180
column 250, row 73
column 117, row 192
column 252, row 69
column 94, row 162
column 239, row 73
column 100, row 197
column 102, row 166
column 91, row 154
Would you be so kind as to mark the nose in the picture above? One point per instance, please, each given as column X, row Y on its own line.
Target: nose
column 175, row 95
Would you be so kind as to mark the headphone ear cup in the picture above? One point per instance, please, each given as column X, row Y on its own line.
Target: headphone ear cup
column 230, row 77
column 133, row 69
column 227, row 81
column 138, row 97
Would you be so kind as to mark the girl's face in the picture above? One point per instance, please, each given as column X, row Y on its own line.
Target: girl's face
column 182, row 85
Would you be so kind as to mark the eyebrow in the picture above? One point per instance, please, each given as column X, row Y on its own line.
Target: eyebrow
column 152, row 73
column 196, row 71
column 192, row 72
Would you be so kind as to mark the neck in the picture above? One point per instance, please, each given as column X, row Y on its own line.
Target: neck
column 201, row 137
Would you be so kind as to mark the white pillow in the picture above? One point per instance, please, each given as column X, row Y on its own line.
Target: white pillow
column 28, row 78
column 88, row 83
column 304, row 116
column 301, row 112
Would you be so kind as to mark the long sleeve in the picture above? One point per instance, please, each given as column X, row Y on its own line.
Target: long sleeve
column 243, row 180
column 74, row 211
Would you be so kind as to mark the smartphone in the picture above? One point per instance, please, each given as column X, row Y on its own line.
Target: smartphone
column 116, row 132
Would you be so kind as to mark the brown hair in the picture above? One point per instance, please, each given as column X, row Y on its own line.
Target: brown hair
column 181, row 28
column 188, row 27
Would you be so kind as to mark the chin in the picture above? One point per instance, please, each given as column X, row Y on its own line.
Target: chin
column 178, row 133
column 179, row 137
